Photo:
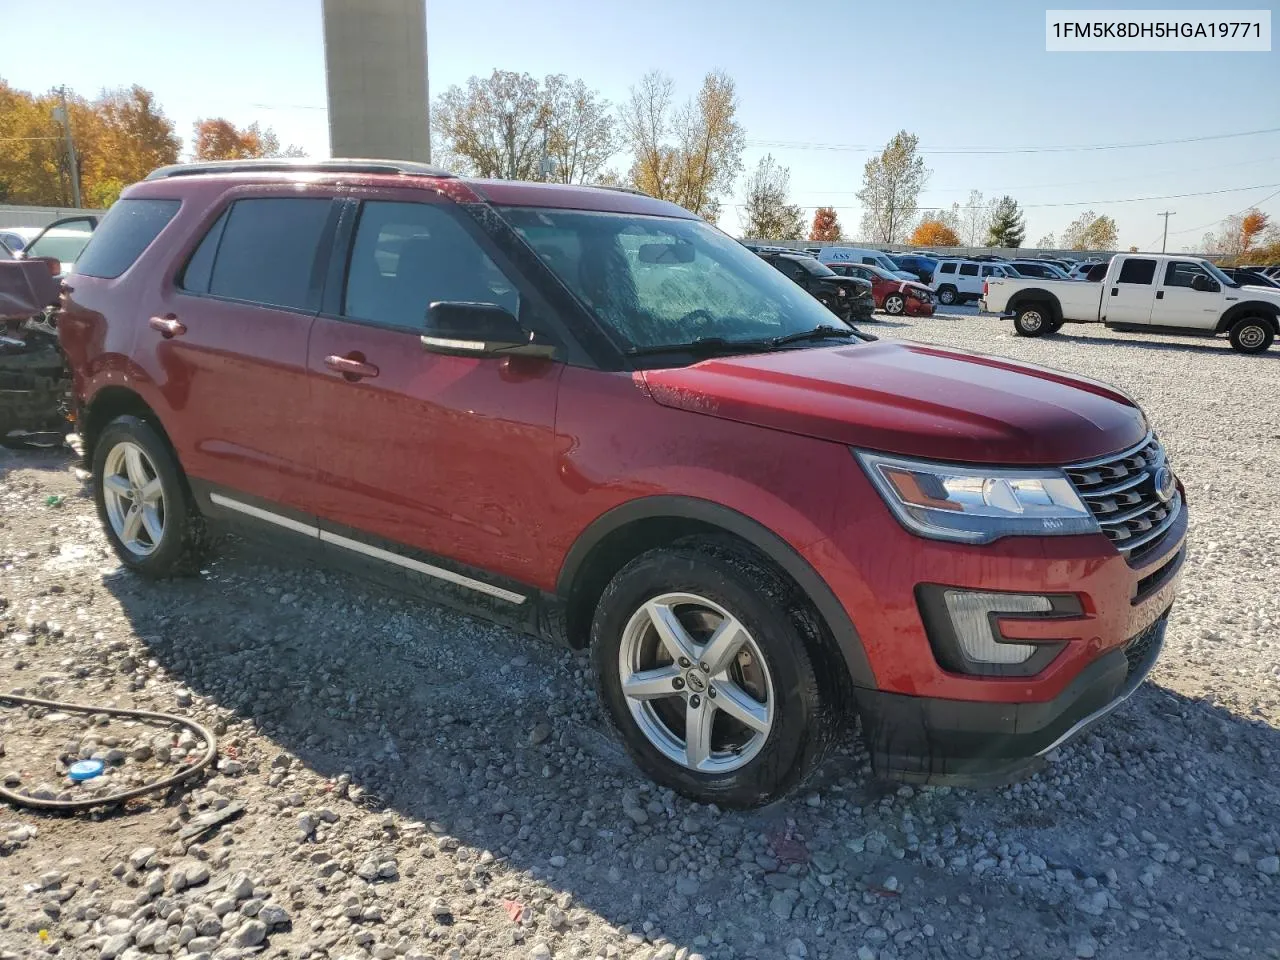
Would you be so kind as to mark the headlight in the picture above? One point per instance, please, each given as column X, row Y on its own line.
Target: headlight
column 977, row 504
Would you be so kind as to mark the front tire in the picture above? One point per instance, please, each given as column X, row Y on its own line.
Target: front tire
column 702, row 666
column 895, row 305
column 947, row 295
column 144, row 502
column 1032, row 321
column 1252, row 335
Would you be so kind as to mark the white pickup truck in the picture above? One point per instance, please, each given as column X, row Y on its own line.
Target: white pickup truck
column 1154, row 293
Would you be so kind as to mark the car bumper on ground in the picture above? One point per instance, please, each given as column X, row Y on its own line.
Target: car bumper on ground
column 919, row 308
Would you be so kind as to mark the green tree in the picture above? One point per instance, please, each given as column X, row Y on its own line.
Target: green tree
column 891, row 185
column 688, row 155
column 1008, row 228
column 1091, row 231
column 768, row 215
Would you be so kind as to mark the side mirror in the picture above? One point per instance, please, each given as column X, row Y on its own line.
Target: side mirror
column 464, row 329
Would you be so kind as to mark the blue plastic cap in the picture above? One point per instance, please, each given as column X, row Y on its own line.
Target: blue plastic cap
column 86, row 770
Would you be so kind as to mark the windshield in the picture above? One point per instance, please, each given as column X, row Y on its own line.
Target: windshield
column 1218, row 275
column 884, row 263
column 655, row 281
column 814, row 267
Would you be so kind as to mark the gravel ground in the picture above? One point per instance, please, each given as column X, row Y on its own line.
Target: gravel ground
column 416, row 783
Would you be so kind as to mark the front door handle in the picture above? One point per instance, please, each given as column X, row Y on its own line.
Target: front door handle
column 352, row 368
column 1159, row 294
column 168, row 325
column 1115, row 291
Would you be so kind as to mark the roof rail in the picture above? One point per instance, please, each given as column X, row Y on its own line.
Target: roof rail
column 291, row 165
column 618, row 188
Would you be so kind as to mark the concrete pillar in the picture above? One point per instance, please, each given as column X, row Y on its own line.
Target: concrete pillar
column 375, row 54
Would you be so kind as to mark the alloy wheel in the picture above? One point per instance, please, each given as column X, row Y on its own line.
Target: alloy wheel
column 134, row 498
column 696, row 683
column 893, row 304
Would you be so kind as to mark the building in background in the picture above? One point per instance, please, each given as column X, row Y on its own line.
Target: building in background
column 375, row 54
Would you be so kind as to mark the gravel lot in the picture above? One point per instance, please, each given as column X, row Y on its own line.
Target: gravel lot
column 416, row 783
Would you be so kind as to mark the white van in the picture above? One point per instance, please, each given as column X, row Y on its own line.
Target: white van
column 831, row 255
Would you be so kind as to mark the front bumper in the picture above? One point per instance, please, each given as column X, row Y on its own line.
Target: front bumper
column 968, row 744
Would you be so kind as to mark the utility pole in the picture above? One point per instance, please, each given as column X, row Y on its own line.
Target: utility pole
column 1167, row 214
column 63, row 116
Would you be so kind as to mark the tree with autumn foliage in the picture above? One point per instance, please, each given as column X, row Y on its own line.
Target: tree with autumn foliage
column 1252, row 224
column 120, row 137
column 219, row 139
column 932, row 232
column 826, row 226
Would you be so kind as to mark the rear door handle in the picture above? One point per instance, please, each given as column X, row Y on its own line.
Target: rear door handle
column 169, row 326
column 352, row 368
column 1115, row 291
column 1159, row 294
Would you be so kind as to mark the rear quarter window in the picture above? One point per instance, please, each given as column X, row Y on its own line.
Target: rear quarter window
column 127, row 230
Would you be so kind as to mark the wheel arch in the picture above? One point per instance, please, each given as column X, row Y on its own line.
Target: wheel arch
column 626, row 531
column 1250, row 308
column 108, row 403
column 1034, row 295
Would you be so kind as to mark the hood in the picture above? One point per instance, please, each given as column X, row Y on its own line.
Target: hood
column 857, row 283
column 905, row 275
column 913, row 400
column 1259, row 292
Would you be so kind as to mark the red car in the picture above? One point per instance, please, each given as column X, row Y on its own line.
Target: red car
column 893, row 295
column 592, row 416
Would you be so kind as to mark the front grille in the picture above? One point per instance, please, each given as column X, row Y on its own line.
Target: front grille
column 1120, row 490
column 1142, row 650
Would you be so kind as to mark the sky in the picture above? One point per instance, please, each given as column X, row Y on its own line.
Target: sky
column 962, row 75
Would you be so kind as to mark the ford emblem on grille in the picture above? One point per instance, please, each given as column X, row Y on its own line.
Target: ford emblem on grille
column 1165, row 483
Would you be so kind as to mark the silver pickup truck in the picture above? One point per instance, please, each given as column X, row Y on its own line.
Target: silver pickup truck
column 1153, row 293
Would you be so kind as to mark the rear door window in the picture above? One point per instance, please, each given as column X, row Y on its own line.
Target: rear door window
column 266, row 251
column 124, row 233
column 968, row 269
column 947, row 268
column 1137, row 270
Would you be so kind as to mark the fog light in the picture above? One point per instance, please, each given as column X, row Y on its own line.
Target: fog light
column 972, row 617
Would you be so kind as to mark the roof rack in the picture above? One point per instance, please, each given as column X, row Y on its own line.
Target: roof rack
column 408, row 168
column 619, row 188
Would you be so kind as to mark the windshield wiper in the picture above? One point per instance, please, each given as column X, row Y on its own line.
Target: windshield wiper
column 822, row 332
column 703, row 345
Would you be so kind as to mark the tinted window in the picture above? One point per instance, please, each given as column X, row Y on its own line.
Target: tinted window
column 409, row 255
column 1096, row 273
column 267, row 251
column 987, row 271
column 968, row 269
column 199, row 269
column 1137, row 271
column 123, row 234
column 947, row 268
column 1180, row 273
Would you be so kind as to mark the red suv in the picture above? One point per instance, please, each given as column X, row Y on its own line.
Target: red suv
column 592, row 416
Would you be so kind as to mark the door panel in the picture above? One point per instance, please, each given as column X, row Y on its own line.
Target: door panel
column 1178, row 305
column 1130, row 295
column 240, row 415
column 451, row 455
column 226, row 342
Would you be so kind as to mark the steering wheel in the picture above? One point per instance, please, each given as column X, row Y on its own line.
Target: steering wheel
column 695, row 314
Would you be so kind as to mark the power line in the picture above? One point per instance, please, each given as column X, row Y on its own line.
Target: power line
column 1086, row 203
column 23, row 139
column 863, row 148
column 1072, row 183
column 1214, row 223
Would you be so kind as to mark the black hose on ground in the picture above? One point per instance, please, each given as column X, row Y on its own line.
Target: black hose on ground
column 67, row 806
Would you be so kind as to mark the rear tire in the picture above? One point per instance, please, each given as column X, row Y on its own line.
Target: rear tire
column 947, row 295
column 895, row 304
column 144, row 502
column 1032, row 320
column 771, row 678
column 1252, row 334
